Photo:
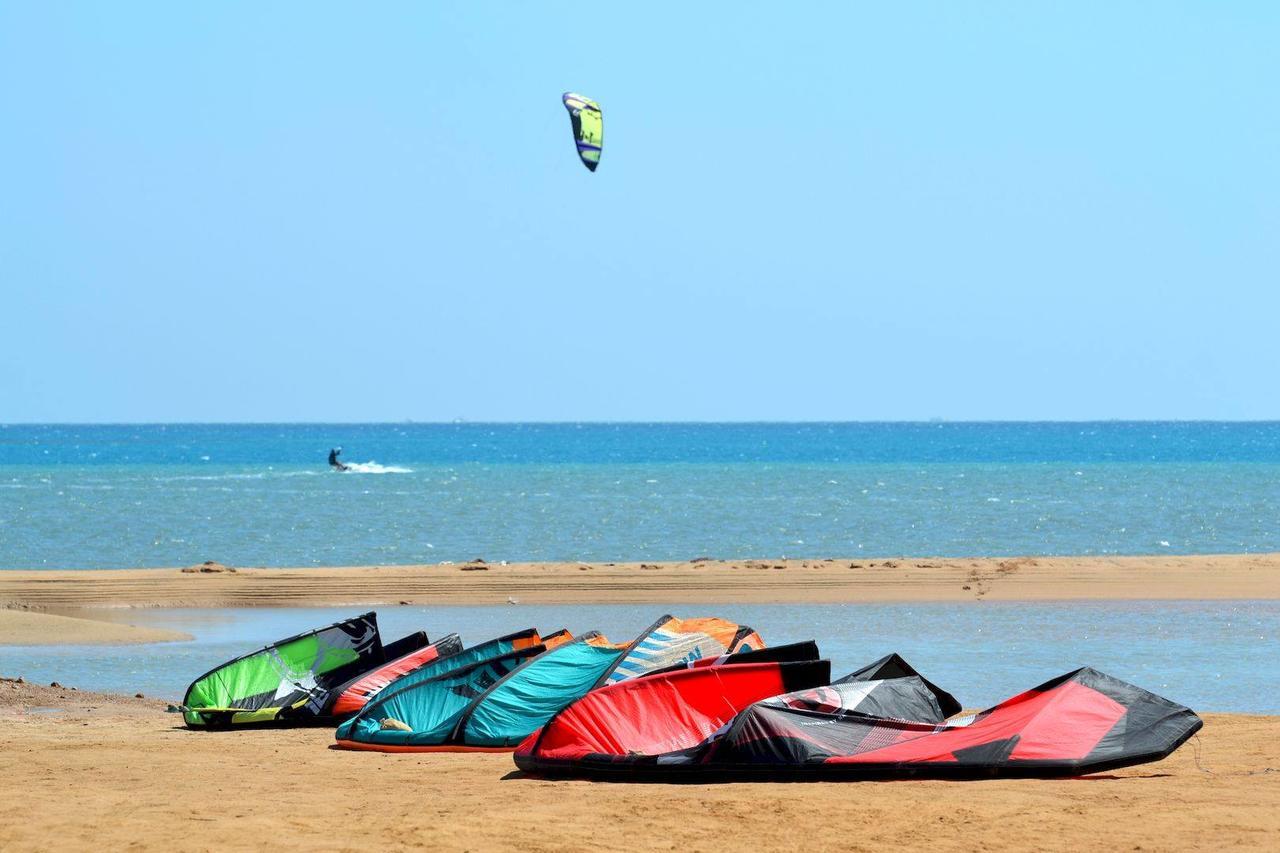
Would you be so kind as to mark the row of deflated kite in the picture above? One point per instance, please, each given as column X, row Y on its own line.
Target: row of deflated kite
column 344, row 671
column 687, row 699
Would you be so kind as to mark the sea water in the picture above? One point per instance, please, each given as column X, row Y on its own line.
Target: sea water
column 1211, row 656
column 263, row 495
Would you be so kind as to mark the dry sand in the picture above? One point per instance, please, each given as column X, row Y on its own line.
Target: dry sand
column 696, row 582
column 114, row 773
column 24, row 628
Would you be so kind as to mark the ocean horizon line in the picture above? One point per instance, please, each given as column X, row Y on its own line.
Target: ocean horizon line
column 606, row 422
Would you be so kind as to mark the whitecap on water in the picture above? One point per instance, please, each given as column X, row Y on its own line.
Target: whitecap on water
column 375, row 468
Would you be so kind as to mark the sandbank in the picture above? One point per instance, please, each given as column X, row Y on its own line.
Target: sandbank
column 701, row 581
column 26, row 628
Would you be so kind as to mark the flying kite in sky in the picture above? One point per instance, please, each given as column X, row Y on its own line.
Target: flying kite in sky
column 588, row 127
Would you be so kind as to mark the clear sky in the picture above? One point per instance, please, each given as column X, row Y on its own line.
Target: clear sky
column 252, row 211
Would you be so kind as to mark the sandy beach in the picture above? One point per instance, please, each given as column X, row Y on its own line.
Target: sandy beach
column 846, row 580
column 92, row 770
column 156, row 785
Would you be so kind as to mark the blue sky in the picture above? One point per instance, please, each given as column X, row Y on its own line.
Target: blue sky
column 850, row 211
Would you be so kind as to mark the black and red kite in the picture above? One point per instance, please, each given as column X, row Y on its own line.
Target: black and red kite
column 782, row 720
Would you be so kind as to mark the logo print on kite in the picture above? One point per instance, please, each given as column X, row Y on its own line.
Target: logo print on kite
column 588, row 127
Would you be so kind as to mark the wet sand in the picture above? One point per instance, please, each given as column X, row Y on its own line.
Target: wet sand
column 846, row 580
column 109, row 773
column 25, row 628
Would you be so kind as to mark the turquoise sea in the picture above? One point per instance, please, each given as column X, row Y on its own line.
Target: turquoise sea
column 262, row 495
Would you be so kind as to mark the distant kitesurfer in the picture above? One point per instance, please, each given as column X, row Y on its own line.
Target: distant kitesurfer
column 333, row 460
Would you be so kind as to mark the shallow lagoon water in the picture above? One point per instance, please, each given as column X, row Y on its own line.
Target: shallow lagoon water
column 1211, row 656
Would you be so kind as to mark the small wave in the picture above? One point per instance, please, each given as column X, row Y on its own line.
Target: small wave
column 185, row 478
column 375, row 468
column 243, row 475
